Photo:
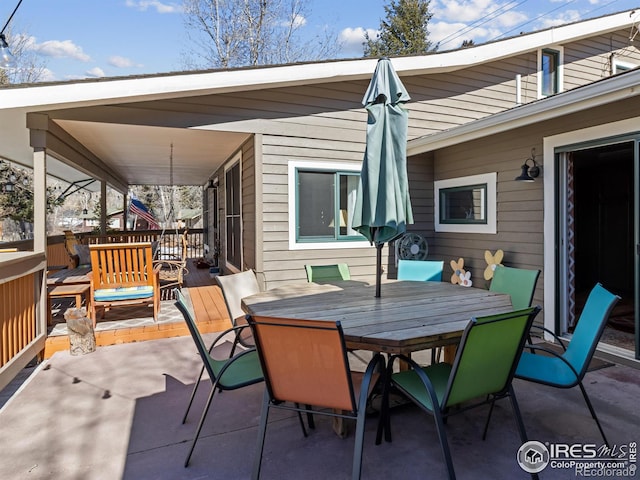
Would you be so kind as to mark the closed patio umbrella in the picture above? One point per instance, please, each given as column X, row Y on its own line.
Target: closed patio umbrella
column 383, row 208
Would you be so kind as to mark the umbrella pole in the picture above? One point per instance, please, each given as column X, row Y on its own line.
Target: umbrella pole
column 378, row 267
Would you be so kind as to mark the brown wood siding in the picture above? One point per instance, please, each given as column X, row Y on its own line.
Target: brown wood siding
column 248, row 206
column 327, row 122
column 519, row 205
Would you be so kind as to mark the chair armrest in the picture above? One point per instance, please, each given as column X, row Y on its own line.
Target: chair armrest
column 376, row 361
column 554, row 354
column 546, row 330
column 237, row 329
column 421, row 375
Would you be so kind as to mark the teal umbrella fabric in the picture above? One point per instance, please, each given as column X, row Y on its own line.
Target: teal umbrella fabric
column 383, row 207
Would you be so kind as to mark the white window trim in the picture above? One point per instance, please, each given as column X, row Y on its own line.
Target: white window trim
column 624, row 64
column 609, row 130
column 490, row 179
column 560, row 50
column 293, row 165
column 236, row 159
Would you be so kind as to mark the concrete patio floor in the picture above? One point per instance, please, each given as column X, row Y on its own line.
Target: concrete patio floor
column 116, row 414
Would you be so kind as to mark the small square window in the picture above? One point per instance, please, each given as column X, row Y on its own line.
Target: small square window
column 466, row 204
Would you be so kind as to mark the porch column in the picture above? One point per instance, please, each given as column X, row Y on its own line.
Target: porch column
column 40, row 232
column 103, row 207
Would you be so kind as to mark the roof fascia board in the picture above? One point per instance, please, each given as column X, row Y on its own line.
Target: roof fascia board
column 589, row 96
column 466, row 57
column 184, row 84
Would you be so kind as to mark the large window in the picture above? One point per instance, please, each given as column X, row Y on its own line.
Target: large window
column 550, row 72
column 322, row 198
column 466, row 204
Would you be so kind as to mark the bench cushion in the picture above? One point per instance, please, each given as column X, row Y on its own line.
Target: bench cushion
column 123, row 293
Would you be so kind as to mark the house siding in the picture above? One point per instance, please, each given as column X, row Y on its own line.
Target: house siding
column 327, row 122
column 520, row 205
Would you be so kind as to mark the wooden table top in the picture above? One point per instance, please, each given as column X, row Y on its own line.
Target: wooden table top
column 408, row 316
column 69, row 276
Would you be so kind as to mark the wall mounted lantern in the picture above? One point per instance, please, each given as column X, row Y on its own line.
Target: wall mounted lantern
column 529, row 173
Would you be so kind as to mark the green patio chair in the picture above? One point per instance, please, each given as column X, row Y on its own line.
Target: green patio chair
column 482, row 372
column 327, row 273
column 239, row 371
column 420, row 270
column 520, row 283
column 234, row 287
column 305, row 363
column 567, row 369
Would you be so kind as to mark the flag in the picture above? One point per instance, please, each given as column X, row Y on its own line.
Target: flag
column 136, row 207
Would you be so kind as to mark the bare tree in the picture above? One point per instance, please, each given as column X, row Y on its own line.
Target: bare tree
column 29, row 68
column 231, row 33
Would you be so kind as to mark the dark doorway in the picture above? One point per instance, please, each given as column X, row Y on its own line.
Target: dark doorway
column 603, row 181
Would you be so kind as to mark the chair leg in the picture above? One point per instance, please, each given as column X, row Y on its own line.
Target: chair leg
column 359, row 442
column 518, row 417
column 262, row 430
column 486, row 425
column 196, row 385
column 193, row 395
column 444, row 444
column 304, row 430
column 200, row 423
column 593, row 412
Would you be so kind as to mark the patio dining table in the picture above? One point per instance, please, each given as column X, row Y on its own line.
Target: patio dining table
column 409, row 316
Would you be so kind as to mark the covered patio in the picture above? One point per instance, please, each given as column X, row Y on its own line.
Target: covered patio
column 116, row 413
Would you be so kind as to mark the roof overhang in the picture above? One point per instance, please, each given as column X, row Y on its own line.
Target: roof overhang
column 130, row 154
column 605, row 91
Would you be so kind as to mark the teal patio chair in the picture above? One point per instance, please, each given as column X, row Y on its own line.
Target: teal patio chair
column 519, row 283
column 481, row 373
column 420, row 270
column 239, row 371
column 327, row 273
column 305, row 363
column 567, row 369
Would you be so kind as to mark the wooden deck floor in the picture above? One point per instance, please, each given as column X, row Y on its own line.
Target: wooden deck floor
column 209, row 308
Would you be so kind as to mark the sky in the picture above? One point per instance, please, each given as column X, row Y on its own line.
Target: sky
column 108, row 38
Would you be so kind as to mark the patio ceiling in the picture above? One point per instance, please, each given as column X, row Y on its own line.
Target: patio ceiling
column 142, row 154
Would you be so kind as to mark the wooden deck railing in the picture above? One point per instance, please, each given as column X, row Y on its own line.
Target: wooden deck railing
column 22, row 319
column 169, row 240
column 17, row 321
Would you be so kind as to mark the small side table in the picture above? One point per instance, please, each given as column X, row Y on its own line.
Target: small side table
column 78, row 291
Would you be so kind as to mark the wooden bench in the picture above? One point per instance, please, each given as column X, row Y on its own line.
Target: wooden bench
column 122, row 274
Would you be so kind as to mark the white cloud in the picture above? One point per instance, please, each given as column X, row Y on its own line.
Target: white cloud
column 95, row 72
column 160, row 7
column 122, row 62
column 61, row 49
column 461, row 11
column 47, row 76
column 478, row 20
column 299, row 21
column 561, row 18
column 352, row 39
